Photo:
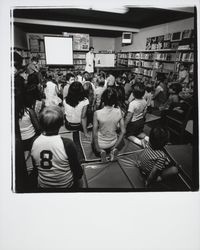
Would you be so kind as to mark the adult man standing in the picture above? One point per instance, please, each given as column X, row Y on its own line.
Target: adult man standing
column 90, row 61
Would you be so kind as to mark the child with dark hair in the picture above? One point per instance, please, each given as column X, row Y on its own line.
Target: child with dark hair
column 75, row 107
column 148, row 96
column 89, row 94
column 154, row 163
column 55, row 158
column 134, row 121
column 28, row 122
column 161, row 92
column 120, row 92
column 105, row 124
column 70, row 78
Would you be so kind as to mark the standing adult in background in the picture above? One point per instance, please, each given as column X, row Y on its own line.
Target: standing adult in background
column 90, row 61
column 33, row 66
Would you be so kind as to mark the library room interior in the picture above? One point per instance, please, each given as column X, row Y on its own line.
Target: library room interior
column 105, row 100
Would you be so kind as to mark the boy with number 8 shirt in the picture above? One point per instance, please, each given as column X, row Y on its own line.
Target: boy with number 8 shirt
column 55, row 158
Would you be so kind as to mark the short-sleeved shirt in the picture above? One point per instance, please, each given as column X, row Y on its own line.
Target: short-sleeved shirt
column 137, row 107
column 26, row 127
column 51, row 94
column 108, row 119
column 151, row 158
column 73, row 114
column 52, row 162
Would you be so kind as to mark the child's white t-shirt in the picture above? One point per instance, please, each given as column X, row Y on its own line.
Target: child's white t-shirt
column 137, row 107
column 108, row 119
column 51, row 94
column 51, row 160
column 26, row 127
column 73, row 114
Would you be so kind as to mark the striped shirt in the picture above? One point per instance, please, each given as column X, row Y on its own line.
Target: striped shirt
column 153, row 158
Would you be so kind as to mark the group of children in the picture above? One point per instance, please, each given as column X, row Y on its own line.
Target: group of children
column 115, row 106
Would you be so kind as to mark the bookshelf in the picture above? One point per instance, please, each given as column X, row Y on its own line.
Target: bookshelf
column 149, row 62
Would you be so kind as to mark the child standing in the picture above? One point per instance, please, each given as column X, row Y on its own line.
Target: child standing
column 134, row 121
column 105, row 125
column 55, row 158
column 155, row 164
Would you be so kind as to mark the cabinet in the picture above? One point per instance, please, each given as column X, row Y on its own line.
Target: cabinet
column 148, row 62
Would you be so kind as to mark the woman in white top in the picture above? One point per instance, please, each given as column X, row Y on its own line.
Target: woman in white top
column 105, row 124
column 75, row 108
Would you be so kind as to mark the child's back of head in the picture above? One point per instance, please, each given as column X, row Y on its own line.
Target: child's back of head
column 138, row 90
column 109, row 97
column 158, row 138
column 51, row 119
column 101, row 82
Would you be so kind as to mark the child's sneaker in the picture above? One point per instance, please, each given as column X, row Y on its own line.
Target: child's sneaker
column 103, row 155
column 113, row 154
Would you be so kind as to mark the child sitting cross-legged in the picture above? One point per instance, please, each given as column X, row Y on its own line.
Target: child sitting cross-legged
column 135, row 118
column 54, row 158
column 154, row 164
column 105, row 125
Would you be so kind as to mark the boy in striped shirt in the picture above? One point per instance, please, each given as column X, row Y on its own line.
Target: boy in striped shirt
column 155, row 164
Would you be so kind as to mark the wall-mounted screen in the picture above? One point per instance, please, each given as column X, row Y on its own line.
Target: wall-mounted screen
column 58, row 50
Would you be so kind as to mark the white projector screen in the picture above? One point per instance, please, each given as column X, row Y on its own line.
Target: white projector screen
column 58, row 50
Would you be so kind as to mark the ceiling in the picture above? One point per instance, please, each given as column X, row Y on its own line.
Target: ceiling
column 134, row 18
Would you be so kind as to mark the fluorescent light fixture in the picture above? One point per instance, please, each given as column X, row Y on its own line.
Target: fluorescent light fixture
column 75, row 25
column 120, row 10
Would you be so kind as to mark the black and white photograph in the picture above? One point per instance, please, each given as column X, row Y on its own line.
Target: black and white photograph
column 99, row 125
column 90, row 115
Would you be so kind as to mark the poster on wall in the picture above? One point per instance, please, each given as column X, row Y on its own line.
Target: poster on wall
column 80, row 41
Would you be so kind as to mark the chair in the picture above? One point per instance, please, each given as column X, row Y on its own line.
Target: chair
column 176, row 122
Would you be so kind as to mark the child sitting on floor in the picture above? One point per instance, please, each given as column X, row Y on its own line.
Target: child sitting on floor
column 51, row 93
column 55, row 158
column 98, row 91
column 75, row 108
column 105, row 125
column 135, row 118
column 154, row 164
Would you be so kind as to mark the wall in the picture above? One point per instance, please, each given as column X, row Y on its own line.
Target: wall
column 139, row 39
column 20, row 40
column 102, row 43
